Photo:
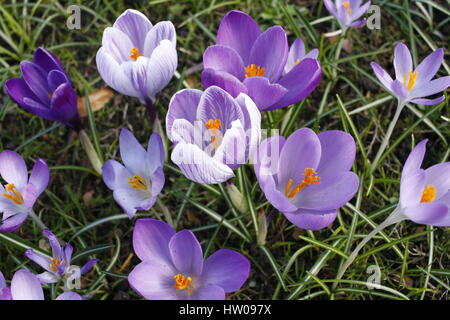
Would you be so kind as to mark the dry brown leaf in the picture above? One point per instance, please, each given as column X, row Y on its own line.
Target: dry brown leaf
column 88, row 196
column 98, row 99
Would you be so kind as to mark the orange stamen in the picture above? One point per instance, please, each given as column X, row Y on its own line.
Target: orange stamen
column 412, row 80
column 347, row 6
column 137, row 182
column 214, row 126
column 429, row 194
column 182, row 282
column 16, row 196
column 135, row 54
column 311, row 177
column 253, row 70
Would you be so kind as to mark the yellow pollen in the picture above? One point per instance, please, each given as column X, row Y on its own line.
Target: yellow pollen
column 253, row 70
column 214, row 126
column 182, row 282
column 429, row 194
column 297, row 61
column 50, row 95
column 16, row 197
column 347, row 6
column 135, row 54
column 137, row 182
column 311, row 177
column 412, row 80
column 55, row 264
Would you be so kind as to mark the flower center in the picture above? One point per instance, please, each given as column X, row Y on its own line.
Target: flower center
column 137, row 182
column 429, row 194
column 135, row 54
column 347, row 7
column 182, row 282
column 297, row 61
column 13, row 194
column 412, row 80
column 213, row 126
column 55, row 264
column 253, row 70
column 311, row 177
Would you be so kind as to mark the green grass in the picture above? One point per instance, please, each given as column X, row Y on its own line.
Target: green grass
column 293, row 263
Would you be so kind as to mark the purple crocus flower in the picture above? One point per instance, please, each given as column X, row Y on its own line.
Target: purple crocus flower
column 45, row 90
column 347, row 13
column 136, row 185
column 26, row 286
column 5, row 291
column 213, row 133
column 136, row 58
column 307, row 177
column 173, row 268
column 246, row 60
column 58, row 266
column 413, row 85
column 20, row 192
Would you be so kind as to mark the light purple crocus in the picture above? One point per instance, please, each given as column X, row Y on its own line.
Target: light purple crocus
column 59, row 265
column 136, row 58
column 173, row 268
column 136, row 184
column 307, row 177
column 348, row 12
column 26, row 286
column 213, row 133
column 20, row 192
column 247, row 60
column 414, row 84
column 45, row 90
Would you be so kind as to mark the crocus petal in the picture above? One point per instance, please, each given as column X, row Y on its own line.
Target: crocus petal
column 338, row 152
column 330, row 7
column 40, row 176
column 183, row 105
column 47, row 278
column 39, row 259
column 382, row 75
column 130, row 200
column 57, row 252
column 131, row 152
column 186, row 253
column 18, row 90
column 36, row 79
column 233, row 146
column 226, row 269
column 411, row 188
column 263, row 93
column 427, row 213
column 2, row 281
column 151, row 240
column 208, row 292
column 12, row 222
column 56, row 78
column 252, row 124
column 135, row 25
column 296, row 53
column 429, row 66
column 155, row 153
column 216, row 103
column 428, row 102
column 197, row 166
column 223, row 58
column 64, row 106
column 25, row 286
column 13, row 169
column 439, row 176
column 117, row 44
column 270, row 52
column 238, row 31
column 300, row 82
column 432, row 87
column 415, row 159
column 402, row 61
column 311, row 219
column 163, row 30
column 331, row 193
column 301, row 150
column 358, row 24
column 158, row 181
column 88, row 266
column 224, row 80
column 47, row 60
column 399, row 90
column 113, row 74
column 357, row 12
column 69, row 296
column 115, row 175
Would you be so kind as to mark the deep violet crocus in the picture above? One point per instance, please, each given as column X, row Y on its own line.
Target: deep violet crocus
column 45, row 90
column 26, row 286
column 173, row 268
column 136, row 184
column 347, row 13
column 20, row 192
column 410, row 85
column 307, row 177
column 213, row 133
column 247, row 60
column 136, row 58
column 424, row 197
column 58, row 265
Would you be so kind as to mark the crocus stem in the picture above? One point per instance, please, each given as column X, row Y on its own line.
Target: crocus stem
column 37, row 220
column 166, row 213
column 90, row 150
column 394, row 217
column 339, row 50
column 386, row 138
